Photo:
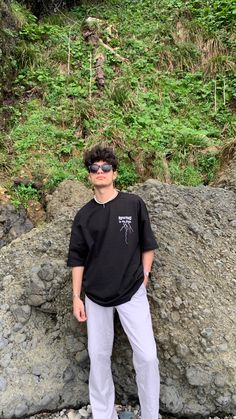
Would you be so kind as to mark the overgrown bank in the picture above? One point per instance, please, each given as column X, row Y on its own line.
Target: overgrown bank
column 154, row 79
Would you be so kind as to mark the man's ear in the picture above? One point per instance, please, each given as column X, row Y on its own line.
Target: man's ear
column 115, row 174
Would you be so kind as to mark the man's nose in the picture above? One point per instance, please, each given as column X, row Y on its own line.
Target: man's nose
column 100, row 170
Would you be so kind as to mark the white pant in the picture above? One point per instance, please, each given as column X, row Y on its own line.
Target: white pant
column 136, row 322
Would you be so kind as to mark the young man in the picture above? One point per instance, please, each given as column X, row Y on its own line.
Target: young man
column 111, row 253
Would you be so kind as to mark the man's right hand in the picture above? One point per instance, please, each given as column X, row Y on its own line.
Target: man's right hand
column 79, row 309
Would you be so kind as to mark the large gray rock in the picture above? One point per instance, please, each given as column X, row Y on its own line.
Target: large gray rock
column 13, row 223
column 68, row 196
column 43, row 357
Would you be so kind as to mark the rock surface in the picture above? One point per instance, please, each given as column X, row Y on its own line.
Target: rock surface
column 13, row 223
column 68, row 196
column 43, row 356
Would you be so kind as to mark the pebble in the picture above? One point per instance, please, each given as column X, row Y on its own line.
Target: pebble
column 85, row 412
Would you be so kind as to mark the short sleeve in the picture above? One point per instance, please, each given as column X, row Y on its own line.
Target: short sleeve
column 147, row 238
column 78, row 248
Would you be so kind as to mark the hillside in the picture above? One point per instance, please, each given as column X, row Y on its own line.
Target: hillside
column 156, row 80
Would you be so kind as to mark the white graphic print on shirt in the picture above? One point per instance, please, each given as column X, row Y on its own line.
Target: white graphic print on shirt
column 126, row 225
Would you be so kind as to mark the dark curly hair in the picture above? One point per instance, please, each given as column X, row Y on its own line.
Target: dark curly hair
column 100, row 153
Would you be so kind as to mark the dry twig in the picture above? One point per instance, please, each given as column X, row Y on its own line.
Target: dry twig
column 123, row 59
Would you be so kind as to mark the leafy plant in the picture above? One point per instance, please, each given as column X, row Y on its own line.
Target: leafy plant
column 163, row 107
column 127, row 175
column 23, row 194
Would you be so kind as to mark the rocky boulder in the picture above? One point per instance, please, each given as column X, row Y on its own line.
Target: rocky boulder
column 13, row 223
column 193, row 296
column 68, row 196
column 43, row 356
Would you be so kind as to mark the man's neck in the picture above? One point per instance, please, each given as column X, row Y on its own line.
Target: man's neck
column 103, row 194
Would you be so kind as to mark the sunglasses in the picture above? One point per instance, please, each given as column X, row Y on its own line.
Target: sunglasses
column 94, row 168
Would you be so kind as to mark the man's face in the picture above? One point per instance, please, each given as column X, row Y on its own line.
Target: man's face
column 102, row 177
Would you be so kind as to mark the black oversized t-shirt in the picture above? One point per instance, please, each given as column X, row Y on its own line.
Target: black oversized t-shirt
column 108, row 240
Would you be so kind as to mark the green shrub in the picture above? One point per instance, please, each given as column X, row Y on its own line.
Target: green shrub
column 162, row 109
column 23, row 194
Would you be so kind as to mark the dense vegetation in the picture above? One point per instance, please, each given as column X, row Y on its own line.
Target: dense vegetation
column 154, row 79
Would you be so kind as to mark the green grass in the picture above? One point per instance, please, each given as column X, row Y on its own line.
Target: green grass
column 166, row 109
